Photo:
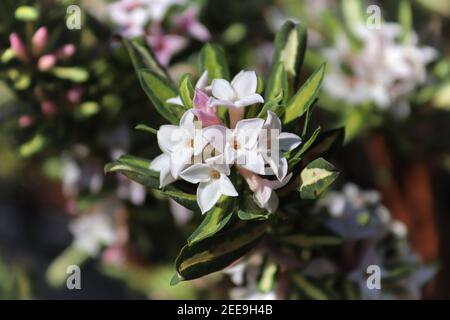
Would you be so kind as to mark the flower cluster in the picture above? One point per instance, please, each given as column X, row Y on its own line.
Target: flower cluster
column 204, row 151
column 384, row 71
column 136, row 18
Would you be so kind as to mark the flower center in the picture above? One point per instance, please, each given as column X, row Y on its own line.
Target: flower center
column 235, row 144
column 190, row 143
column 215, row 174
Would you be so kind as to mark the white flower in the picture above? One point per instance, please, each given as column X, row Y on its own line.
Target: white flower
column 161, row 164
column 213, row 182
column 92, row 231
column 238, row 145
column 265, row 196
column 181, row 143
column 272, row 144
column 241, row 92
column 202, row 83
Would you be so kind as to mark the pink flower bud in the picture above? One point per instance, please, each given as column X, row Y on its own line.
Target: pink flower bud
column 46, row 62
column 74, row 94
column 204, row 112
column 48, row 107
column 66, row 51
column 39, row 40
column 18, row 47
column 25, row 121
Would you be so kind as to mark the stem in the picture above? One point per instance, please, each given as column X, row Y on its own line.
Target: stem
column 236, row 114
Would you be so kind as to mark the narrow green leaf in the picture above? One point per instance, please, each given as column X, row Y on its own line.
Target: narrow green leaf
column 212, row 59
column 158, row 90
column 146, row 128
column 304, row 241
column 143, row 57
column 309, row 289
column 186, row 91
column 278, row 83
column 214, row 221
column 217, row 252
column 297, row 157
column 326, row 143
column 405, row 18
column 272, row 105
column 290, row 45
column 246, row 215
column 75, row 74
column 305, row 96
column 316, row 177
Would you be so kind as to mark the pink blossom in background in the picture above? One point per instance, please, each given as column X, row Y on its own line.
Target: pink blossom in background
column 25, row 121
column 188, row 22
column 75, row 94
column 66, row 51
column 164, row 45
column 48, row 107
column 18, row 47
column 39, row 40
column 46, row 62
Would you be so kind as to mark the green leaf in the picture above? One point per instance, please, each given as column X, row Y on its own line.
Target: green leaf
column 278, row 83
column 26, row 13
column 75, row 74
column 186, row 91
column 310, row 290
column 353, row 12
column 272, row 105
column 143, row 57
column 137, row 169
column 214, row 221
column 297, row 157
column 146, row 128
column 268, row 279
column 212, row 59
column 304, row 241
column 290, row 45
column 316, row 177
column 325, row 144
column 305, row 96
column 217, row 252
column 246, row 215
column 158, row 90
column 33, row 146
column 405, row 18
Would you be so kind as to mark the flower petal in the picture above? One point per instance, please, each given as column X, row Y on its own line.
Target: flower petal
column 216, row 136
column 179, row 159
column 220, row 102
column 273, row 122
column 222, row 90
column 288, row 141
column 208, row 193
column 187, row 122
column 247, row 131
column 245, row 83
column 249, row 100
column 176, row 100
column 226, row 187
column 167, row 137
column 196, row 173
column 202, row 82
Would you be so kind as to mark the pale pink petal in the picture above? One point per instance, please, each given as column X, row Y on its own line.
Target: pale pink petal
column 222, row 90
column 245, row 83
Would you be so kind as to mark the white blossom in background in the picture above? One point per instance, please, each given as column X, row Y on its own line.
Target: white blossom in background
column 356, row 214
column 94, row 230
column 132, row 16
column 384, row 71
